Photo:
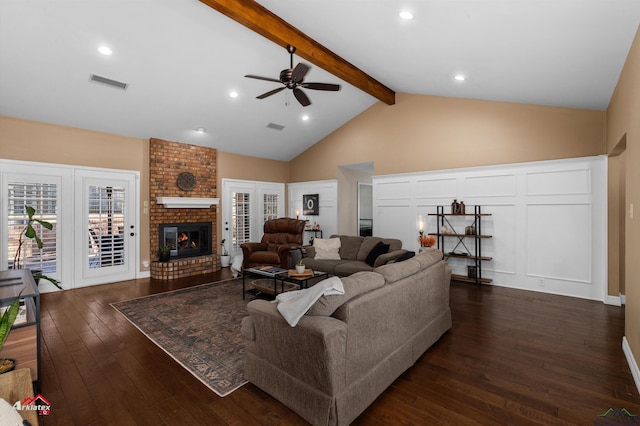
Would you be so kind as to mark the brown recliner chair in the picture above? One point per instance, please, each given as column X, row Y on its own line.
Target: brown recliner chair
column 280, row 237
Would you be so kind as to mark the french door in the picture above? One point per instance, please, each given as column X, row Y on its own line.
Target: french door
column 247, row 205
column 105, row 227
column 40, row 191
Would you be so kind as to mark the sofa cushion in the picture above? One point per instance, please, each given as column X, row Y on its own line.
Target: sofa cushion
column 428, row 258
column 377, row 250
column 393, row 272
column 325, row 265
column 349, row 267
column 350, row 245
column 406, row 256
column 265, row 258
column 369, row 242
column 327, row 249
column 354, row 285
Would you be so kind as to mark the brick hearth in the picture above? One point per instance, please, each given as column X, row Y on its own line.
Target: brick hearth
column 166, row 161
column 186, row 267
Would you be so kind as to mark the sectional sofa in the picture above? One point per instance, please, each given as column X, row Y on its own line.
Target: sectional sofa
column 347, row 349
column 353, row 255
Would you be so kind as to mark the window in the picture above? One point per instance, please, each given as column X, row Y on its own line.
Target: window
column 43, row 197
column 106, row 226
column 270, row 207
column 241, row 219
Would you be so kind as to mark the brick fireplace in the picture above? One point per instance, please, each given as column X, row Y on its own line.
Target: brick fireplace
column 167, row 160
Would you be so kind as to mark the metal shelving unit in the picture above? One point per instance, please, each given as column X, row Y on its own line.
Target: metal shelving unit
column 460, row 240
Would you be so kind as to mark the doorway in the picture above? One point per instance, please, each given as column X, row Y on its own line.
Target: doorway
column 355, row 198
column 365, row 209
column 246, row 206
column 105, row 227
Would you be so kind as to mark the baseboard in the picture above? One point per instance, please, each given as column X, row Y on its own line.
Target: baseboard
column 613, row 300
column 631, row 361
column 144, row 274
column 623, row 299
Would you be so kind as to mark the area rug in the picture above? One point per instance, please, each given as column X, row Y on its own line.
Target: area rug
column 199, row 327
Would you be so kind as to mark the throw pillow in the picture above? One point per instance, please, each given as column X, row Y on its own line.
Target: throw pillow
column 405, row 256
column 327, row 249
column 376, row 251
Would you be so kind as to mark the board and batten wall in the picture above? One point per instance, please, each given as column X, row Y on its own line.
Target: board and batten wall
column 548, row 220
column 327, row 191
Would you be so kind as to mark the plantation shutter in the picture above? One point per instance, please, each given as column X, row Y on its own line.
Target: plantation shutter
column 43, row 197
column 241, row 219
column 270, row 207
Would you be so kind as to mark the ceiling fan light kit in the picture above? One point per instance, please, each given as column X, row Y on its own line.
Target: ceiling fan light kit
column 293, row 79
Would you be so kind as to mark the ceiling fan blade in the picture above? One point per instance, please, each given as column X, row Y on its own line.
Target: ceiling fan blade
column 263, row 78
column 321, row 86
column 272, row 92
column 299, row 72
column 301, row 97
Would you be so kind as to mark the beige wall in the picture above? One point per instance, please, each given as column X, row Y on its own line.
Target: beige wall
column 615, row 228
column 41, row 142
column 47, row 143
column 235, row 166
column 421, row 133
column 623, row 124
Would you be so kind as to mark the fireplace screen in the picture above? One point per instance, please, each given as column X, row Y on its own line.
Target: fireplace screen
column 186, row 239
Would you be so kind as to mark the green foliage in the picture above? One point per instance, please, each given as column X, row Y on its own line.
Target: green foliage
column 7, row 320
column 30, row 232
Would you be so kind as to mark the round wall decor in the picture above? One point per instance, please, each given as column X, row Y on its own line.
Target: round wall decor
column 186, row 181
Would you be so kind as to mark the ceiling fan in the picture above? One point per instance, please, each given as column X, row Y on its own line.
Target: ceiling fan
column 293, row 78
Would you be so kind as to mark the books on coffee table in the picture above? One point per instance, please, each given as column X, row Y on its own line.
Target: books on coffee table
column 267, row 270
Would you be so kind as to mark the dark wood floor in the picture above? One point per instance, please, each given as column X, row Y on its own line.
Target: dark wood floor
column 512, row 357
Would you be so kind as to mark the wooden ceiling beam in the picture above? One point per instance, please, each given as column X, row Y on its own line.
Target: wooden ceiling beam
column 261, row 20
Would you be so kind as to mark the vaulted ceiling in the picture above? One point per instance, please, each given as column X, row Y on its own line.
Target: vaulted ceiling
column 182, row 58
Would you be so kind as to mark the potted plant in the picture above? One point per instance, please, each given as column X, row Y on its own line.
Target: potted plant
column 6, row 322
column 224, row 257
column 30, row 232
column 164, row 253
column 427, row 242
column 300, row 267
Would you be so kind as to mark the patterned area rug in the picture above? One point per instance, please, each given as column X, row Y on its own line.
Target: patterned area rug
column 199, row 327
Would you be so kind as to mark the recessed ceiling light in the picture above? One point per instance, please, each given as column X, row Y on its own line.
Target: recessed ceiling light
column 459, row 77
column 305, row 117
column 201, row 130
column 105, row 50
column 233, row 94
column 405, row 14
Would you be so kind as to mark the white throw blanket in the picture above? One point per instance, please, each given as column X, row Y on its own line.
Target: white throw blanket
column 292, row 305
column 236, row 265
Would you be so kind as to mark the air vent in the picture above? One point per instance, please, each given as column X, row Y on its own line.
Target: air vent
column 108, row 82
column 275, row 126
